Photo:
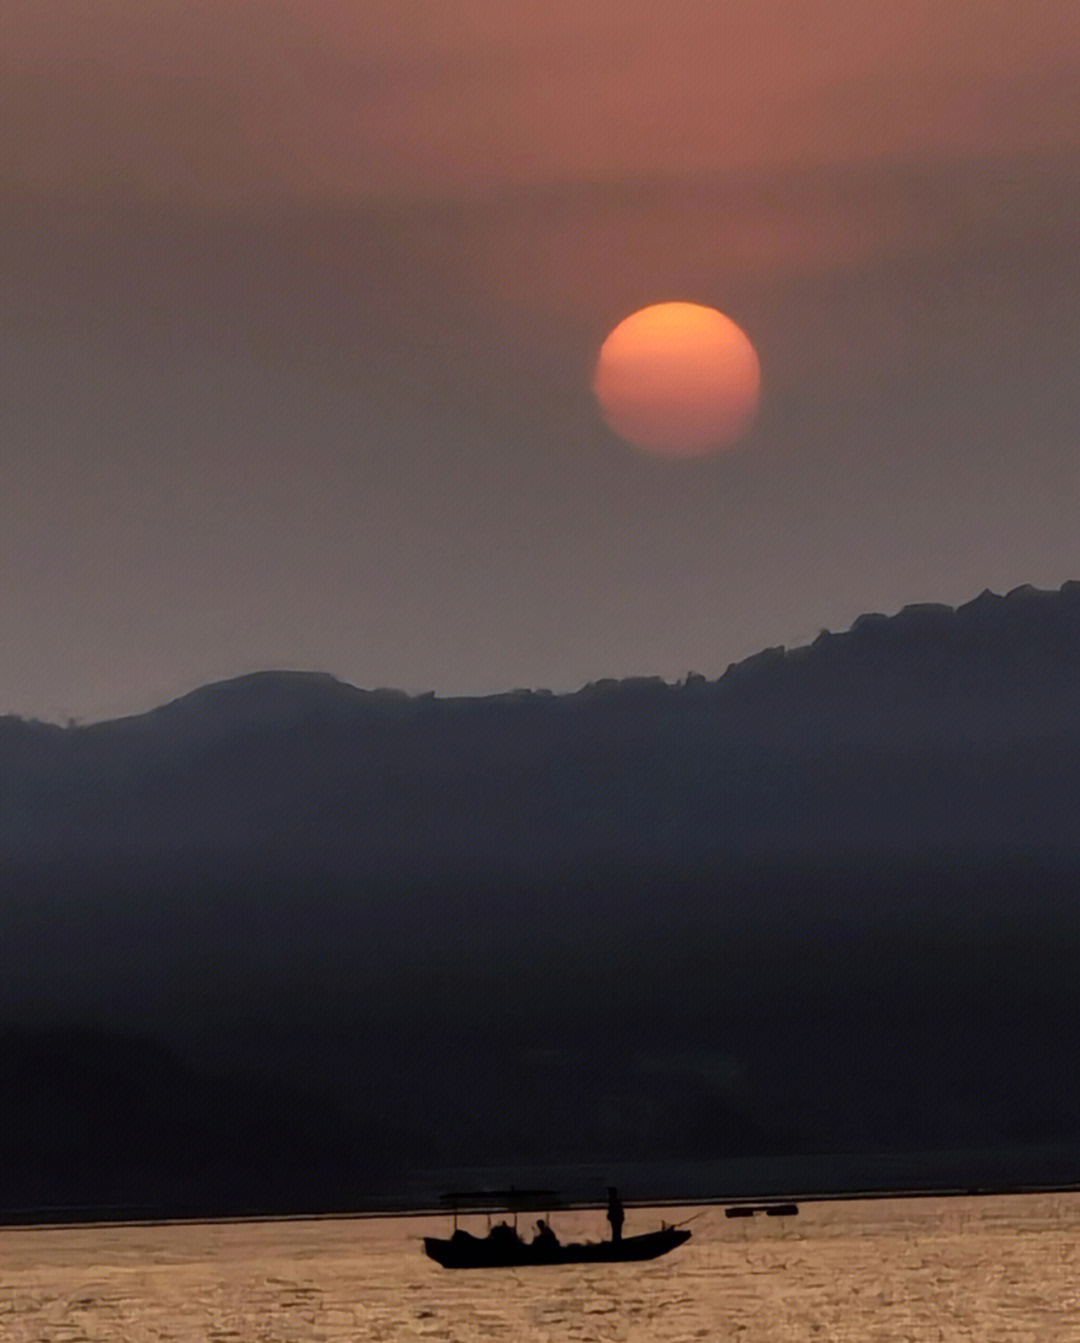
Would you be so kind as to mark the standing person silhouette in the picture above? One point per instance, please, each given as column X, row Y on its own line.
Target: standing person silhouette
column 614, row 1212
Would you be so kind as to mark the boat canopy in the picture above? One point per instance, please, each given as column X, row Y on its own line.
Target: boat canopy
column 508, row 1200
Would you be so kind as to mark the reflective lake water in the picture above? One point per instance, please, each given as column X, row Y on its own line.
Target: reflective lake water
column 992, row 1268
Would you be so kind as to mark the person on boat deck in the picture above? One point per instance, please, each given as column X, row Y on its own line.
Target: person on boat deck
column 504, row 1234
column 614, row 1212
column 544, row 1234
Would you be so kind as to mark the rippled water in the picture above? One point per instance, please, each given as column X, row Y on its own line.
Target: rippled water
column 916, row 1269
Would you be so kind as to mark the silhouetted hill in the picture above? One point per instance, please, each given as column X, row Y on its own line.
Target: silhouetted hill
column 999, row 669
column 826, row 902
column 935, row 728
column 96, row 1118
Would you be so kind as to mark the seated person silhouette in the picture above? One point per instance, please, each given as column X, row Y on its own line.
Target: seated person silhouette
column 545, row 1237
column 502, row 1233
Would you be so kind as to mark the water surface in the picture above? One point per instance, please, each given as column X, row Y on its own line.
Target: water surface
column 992, row 1269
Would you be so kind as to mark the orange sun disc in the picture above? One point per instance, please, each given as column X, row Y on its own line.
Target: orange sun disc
column 678, row 379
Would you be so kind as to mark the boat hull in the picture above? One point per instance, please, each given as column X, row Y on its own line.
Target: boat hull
column 465, row 1251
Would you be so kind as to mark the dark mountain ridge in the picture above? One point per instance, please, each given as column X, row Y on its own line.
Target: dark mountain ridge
column 1017, row 653
column 825, row 903
column 935, row 727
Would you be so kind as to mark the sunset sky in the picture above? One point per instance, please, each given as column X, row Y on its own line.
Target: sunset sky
column 302, row 301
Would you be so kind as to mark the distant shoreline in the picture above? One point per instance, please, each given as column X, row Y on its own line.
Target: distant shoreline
column 34, row 1219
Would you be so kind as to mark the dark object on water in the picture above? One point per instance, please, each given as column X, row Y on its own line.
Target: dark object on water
column 502, row 1247
column 463, row 1250
column 769, row 1209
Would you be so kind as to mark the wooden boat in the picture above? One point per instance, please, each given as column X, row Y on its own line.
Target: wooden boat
column 502, row 1247
column 463, row 1250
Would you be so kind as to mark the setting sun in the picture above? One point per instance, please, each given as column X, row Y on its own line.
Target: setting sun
column 678, row 379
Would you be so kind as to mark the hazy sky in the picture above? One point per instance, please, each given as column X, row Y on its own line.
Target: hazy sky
column 301, row 301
